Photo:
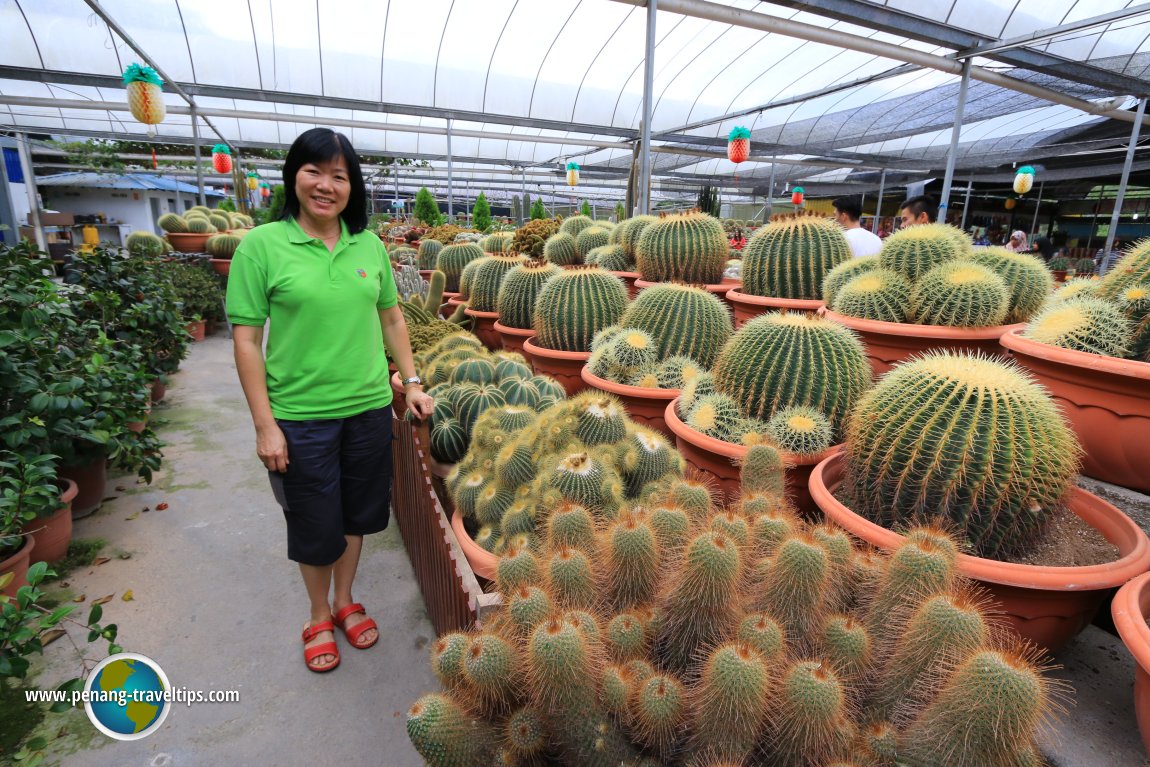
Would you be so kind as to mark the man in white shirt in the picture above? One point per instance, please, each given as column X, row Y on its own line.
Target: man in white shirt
column 847, row 213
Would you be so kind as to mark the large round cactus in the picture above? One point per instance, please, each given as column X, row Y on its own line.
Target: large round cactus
column 960, row 294
column 516, row 300
column 1131, row 270
column 484, row 293
column 497, row 244
column 914, row 251
column 222, row 245
column 689, row 247
column 683, row 321
column 575, row 305
column 467, row 275
column 1084, row 324
column 560, row 249
column 780, row 360
column 836, row 278
column 1027, row 278
column 452, row 259
column 576, row 224
column 144, row 244
column 590, row 238
column 627, row 233
column 875, row 294
column 172, row 222
column 964, row 437
column 790, row 257
column 428, row 251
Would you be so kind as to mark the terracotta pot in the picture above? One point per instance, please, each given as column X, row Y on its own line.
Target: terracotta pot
column 512, row 338
column 564, row 367
column 159, row 389
column 888, row 343
column 196, row 329
column 746, row 307
column 91, row 479
column 718, row 459
column 18, row 565
column 1130, row 610
column 53, row 533
column 426, row 274
column 629, row 279
column 398, row 401
column 720, row 289
column 1107, row 401
column 647, row 406
column 1059, row 275
column 483, row 327
column 1047, row 605
column 186, row 242
column 221, row 266
column 483, row 563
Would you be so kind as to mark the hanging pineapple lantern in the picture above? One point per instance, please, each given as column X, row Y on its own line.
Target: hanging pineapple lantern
column 1024, row 179
column 797, row 196
column 222, row 158
column 572, row 173
column 265, row 190
column 145, row 99
column 738, row 144
column 253, row 180
column 1010, row 203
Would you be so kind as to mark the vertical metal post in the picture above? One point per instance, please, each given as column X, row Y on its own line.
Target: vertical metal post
column 1037, row 206
column 30, row 187
column 1125, row 177
column 955, row 132
column 644, row 201
column 450, row 172
column 395, row 173
column 966, row 204
column 878, row 205
column 526, row 214
column 196, row 147
column 771, row 194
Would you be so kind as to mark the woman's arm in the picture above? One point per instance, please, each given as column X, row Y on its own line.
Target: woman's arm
column 271, row 447
column 395, row 336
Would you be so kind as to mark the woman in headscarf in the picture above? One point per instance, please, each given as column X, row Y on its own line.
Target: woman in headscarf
column 1018, row 242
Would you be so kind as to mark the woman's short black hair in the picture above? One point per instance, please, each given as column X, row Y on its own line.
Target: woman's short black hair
column 323, row 145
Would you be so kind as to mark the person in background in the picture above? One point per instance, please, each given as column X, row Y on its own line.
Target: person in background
column 1042, row 247
column 321, row 398
column 918, row 210
column 1017, row 242
column 847, row 214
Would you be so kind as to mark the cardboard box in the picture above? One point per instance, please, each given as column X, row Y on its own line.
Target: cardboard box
column 57, row 219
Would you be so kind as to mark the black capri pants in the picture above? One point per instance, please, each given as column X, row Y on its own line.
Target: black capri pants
column 337, row 483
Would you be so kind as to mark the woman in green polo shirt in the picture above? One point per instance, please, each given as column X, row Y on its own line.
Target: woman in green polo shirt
column 321, row 398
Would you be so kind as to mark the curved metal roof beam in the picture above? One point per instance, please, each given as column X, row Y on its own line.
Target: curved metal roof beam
column 494, row 50
column 579, row 90
column 543, row 61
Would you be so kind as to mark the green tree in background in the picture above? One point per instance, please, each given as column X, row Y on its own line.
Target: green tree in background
column 537, row 210
column 620, row 211
column 426, row 209
column 585, row 209
column 481, row 213
column 276, row 204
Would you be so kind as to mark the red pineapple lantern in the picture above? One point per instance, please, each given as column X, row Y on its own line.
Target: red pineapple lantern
column 797, row 196
column 222, row 158
column 738, row 144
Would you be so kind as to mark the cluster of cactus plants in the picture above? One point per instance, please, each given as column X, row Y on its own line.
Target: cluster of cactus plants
column 421, row 312
column 673, row 633
column 789, row 257
column 203, row 220
column 688, row 247
column 931, row 275
column 530, row 238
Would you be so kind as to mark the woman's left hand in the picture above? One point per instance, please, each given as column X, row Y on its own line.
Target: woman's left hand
column 421, row 403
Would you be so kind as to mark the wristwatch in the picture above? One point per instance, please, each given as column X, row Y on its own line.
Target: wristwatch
column 413, row 380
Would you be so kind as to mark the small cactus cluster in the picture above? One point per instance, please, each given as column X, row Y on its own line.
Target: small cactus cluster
column 466, row 382
column 530, row 238
column 519, row 289
column 1110, row 316
column 452, row 259
column 961, row 436
column 498, row 243
column 487, row 279
column 421, row 312
column 931, row 275
column 790, row 257
column 202, row 220
column 574, row 305
column 565, row 466
column 144, row 244
column 686, row 247
column 673, row 633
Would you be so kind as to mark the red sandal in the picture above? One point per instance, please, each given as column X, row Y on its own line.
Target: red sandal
column 355, row 632
column 325, row 648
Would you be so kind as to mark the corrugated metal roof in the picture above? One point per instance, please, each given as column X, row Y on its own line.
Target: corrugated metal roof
column 143, row 181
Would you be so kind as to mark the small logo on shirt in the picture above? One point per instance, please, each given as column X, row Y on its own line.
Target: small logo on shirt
column 361, row 273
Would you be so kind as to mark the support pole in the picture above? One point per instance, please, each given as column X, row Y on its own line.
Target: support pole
column 450, row 171
column 878, row 205
column 966, row 204
column 196, row 147
column 955, row 132
column 1037, row 206
column 1122, row 184
column 644, row 202
column 30, row 187
column 771, row 195
column 524, row 214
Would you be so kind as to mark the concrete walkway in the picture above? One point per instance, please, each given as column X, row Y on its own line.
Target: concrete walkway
column 218, row 605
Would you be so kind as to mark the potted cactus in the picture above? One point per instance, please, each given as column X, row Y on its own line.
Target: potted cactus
column 187, row 233
column 483, row 291
column 451, row 261
column 626, row 236
column 689, row 247
column 570, row 309
column 999, row 463
column 743, row 637
column 515, row 303
column 1092, row 352
column 426, row 256
column 1131, row 610
column 784, row 265
column 929, row 289
column 1060, row 267
column 773, row 364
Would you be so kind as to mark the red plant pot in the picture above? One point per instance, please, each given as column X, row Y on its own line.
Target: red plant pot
column 746, row 307
column 1130, row 610
column 483, row 563
column 90, row 480
column 647, row 406
column 197, row 329
column 889, row 343
column 221, row 266
column 564, row 367
column 54, row 532
column 1047, row 605
column 1107, row 401
column 483, row 327
column 719, row 460
column 512, row 338
column 17, row 564
column 159, row 390
column 187, row 242
column 629, row 279
column 398, row 400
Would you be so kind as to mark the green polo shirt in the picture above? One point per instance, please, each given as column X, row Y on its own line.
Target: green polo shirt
column 325, row 356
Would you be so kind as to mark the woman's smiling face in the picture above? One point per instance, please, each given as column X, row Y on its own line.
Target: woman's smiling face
column 323, row 189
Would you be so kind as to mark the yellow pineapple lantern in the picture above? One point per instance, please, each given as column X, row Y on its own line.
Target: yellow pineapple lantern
column 253, row 180
column 145, row 97
column 1024, row 180
column 572, row 173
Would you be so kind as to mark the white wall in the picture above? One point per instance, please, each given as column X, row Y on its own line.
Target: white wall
column 19, row 196
column 128, row 206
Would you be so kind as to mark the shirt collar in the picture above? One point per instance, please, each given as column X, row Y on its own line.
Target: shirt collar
column 297, row 235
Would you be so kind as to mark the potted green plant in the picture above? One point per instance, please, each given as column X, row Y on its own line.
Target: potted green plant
column 1060, row 267
column 201, row 299
column 515, row 303
column 32, row 505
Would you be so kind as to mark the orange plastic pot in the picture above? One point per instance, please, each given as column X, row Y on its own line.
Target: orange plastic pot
column 186, row 242
column 512, row 338
column 645, row 405
column 221, row 266
column 158, row 392
column 746, row 307
column 54, row 532
column 1107, row 401
column 483, row 327
column 17, row 564
column 889, row 343
column 197, row 330
column 1130, row 610
column 90, row 480
column 720, row 460
column 629, row 279
column 483, row 563
column 1047, row 605
column 564, row 367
